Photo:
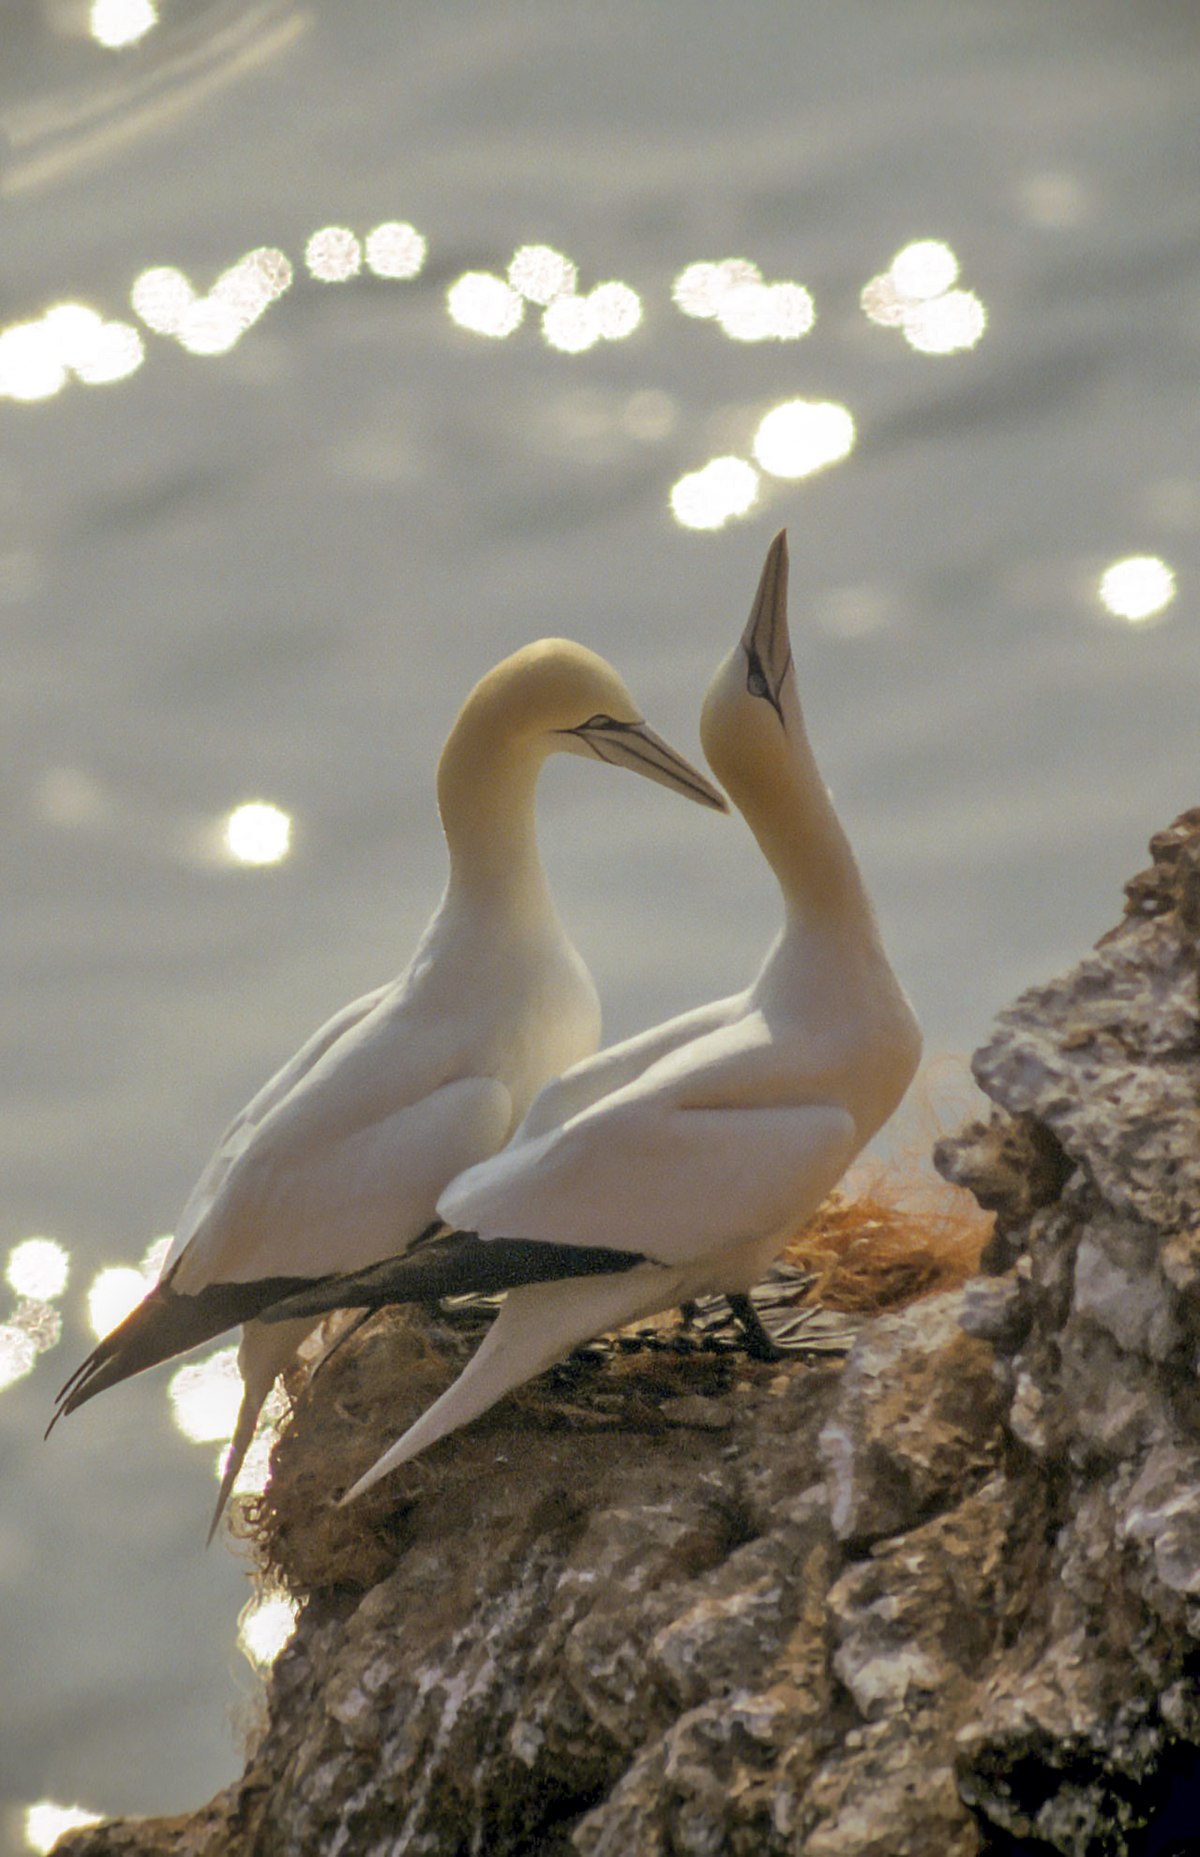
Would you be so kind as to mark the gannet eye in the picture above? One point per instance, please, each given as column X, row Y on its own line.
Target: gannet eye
column 601, row 721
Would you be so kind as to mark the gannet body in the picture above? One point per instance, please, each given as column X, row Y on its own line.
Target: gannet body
column 675, row 1164
column 339, row 1160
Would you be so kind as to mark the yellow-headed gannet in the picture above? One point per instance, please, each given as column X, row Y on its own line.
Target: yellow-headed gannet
column 340, row 1158
column 675, row 1164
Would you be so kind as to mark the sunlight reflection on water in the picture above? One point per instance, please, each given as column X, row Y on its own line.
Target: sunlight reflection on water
column 1138, row 589
column 333, row 254
column 914, row 295
column 395, row 250
column 709, row 498
column 258, row 833
column 37, row 1271
column 116, row 23
column 802, row 436
column 265, row 1627
column 539, row 274
column 733, row 293
column 205, row 1396
column 117, row 1290
column 46, row 1822
column 38, row 1268
column 483, row 303
column 18, row 1351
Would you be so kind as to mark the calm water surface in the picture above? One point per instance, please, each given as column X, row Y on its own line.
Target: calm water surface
column 262, row 559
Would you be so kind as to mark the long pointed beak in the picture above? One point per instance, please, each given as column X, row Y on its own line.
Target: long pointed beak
column 633, row 745
column 765, row 640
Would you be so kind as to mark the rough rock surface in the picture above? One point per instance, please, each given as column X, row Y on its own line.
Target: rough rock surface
column 945, row 1599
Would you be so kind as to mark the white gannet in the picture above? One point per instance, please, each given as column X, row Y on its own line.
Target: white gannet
column 338, row 1161
column 675, row 1164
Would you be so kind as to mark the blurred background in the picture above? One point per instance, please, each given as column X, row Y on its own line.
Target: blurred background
column 344, row 348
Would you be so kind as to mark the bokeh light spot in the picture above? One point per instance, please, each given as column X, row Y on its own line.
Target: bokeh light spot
column 38, row 1268
column 923, row 269
column 162, row 296
column 616, row 310
column 539, row 274
column 1139, row 588
column 882, row 302
column 799, row 437
column 73, row 330
column 30, row 365
column 115, row 354
column 250, row 286
column 484, row 304
column 266, row 1625
column 114, row 1293
column 709, row 498
column 18, row 1351
column 41, row 1321
column 570, row 325
column 333, row 255
column 46, row 1822
column 209, row 326
column 700, row 289
column 205, row 1396
column 395, row 250
column 115, row 23
column 258, row 833
column 945, row 325
column 766, row 312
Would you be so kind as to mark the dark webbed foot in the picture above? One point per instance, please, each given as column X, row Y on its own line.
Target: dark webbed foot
column 758, row 1343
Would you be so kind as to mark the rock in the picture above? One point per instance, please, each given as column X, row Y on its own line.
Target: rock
column 915, row 1423
column 943, row 1596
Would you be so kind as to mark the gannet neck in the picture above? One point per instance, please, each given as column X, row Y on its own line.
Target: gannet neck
column 790, row 810
column 486, row 787
column 753, row 732
column 551, row 696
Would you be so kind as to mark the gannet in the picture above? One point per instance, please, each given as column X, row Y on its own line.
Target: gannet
column 340, row 1157
column 675, row 1164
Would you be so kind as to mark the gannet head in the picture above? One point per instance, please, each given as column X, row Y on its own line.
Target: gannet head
column 750, row 709
column 557, row 695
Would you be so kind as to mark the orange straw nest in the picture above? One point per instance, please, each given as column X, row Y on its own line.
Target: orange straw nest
column 902, row 1236
column 898, row 1239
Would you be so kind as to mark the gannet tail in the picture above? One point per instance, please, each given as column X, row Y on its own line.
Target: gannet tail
column 536, row 1327
column 262, row 1356
column 165, row 1323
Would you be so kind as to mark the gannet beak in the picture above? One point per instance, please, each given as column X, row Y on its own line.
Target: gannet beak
column 765, row 641
column 633, row 745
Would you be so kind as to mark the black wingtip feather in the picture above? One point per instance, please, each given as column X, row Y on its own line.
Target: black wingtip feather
column 452, row 1265
column 165, row 1323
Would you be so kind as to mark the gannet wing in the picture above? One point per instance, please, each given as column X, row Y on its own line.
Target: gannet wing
column 307, row 1187
column 672, row 1192
column 671, row 1182
column 620, row 1064
column 240, row 1132
column 375, row 1189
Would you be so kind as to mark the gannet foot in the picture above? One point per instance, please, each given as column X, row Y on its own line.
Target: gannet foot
column 758, row 1343
column 689, row 1311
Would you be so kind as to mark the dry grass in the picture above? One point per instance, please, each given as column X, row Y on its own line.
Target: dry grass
column 898, row 1239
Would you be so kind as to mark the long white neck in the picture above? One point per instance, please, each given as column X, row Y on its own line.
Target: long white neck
column 486, row 786
column 772, row 776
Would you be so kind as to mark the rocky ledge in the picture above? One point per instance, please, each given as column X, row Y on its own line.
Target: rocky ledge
column 944, row 1598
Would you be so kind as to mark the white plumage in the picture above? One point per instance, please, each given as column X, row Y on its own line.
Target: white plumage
column 338, row 1161
column 700, row 1144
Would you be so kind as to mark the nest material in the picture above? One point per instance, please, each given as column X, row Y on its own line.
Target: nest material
column 855, row 1258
